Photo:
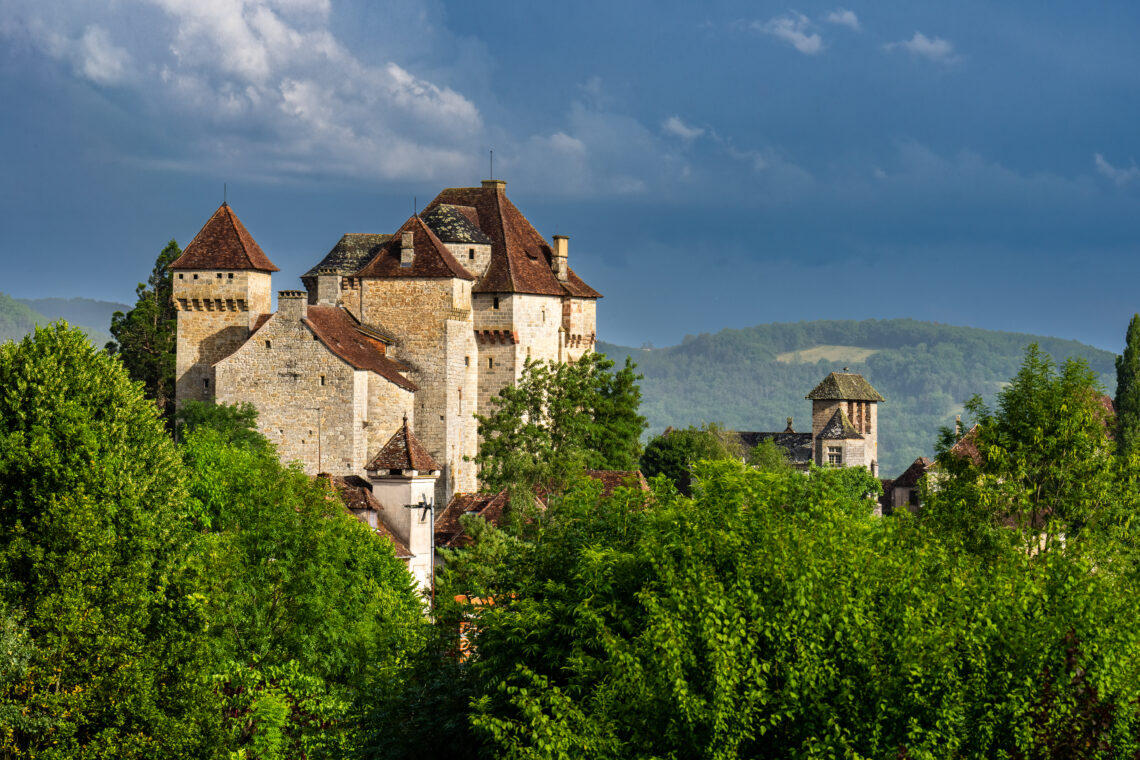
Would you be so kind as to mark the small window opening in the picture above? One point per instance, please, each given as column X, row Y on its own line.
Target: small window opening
column 490, row 362
column 206, row 383
column 494, row 303
column 466, row 361
column 180, row 275
column 471, row 254
column 322, row 379
column 231, row 275
column 219, row 275
column 195, row 277
column 269, row 344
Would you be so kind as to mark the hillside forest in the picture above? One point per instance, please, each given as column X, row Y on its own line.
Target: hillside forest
column 754, row 378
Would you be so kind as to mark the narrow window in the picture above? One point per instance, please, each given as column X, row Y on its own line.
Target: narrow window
column 269, row 344
column 494, row 304
column 322, row 379
column 206, row 383
column 466, row 361
column 490, row 362
column 471, row 254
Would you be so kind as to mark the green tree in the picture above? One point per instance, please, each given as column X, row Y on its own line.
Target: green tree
column 1044, row 466
column 145, row 337
column 307, row 606
column 559, row 417
column 674, row 452
column 237, row 423
column 93, row 545
column 1128, row 391
column 771, row 615
column 767, row 455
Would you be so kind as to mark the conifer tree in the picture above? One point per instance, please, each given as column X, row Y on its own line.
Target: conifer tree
column 145, row 336
column 1128, row 391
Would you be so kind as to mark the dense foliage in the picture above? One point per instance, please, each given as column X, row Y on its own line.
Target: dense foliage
column 145, row 336
column 674, row 452
column 559, row 417
column 159, row 601
column 926, row 371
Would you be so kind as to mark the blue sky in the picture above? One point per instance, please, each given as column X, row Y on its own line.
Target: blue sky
column 716, row 164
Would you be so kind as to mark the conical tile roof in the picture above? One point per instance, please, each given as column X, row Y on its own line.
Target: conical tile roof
column 403, row 452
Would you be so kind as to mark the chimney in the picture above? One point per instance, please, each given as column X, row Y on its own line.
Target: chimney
column 328, row 286
column 407, row 249
column 495, row 184
column 293, row 305
column 957, row 426
column 561, row 253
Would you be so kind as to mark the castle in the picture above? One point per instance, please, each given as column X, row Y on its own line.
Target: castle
column 392, row 347
column 844, row 426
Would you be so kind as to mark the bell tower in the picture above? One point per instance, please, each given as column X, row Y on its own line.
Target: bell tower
column 221, row 289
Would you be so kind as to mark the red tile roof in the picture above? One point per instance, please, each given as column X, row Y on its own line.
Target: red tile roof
column 520, row 257
column 224, row 243
column 403, row 451
column 912, row 474
column 356, row 493
column 341, row 333
column 432, row 259
column 490, row 506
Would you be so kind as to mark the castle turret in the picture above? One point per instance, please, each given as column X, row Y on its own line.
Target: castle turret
column 403, row 477
column 221, row 288
column 845, row 422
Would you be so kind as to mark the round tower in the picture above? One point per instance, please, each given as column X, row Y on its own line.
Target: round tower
column 222, row 286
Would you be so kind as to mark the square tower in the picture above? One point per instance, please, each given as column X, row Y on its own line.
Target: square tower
column 845, row 422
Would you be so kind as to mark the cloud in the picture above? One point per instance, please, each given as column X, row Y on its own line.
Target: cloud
column 674, row 126
column 258, row 85
column 1119, row 176
column 932, row 48
column 793, row 28
column 843, row 17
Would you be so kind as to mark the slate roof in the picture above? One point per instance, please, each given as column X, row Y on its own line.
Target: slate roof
column 342, row 334
column 912, row 474
column 839, row 428
column 454, row 224
column 350, row 253
column 432, row 259
column 520, row 257
column 223, row 243
column 403, row 451
column 356, row 493
column 798, row 445
column 844, row 386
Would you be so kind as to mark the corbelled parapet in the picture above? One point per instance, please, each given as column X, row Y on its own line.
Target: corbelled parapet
column 293, row 305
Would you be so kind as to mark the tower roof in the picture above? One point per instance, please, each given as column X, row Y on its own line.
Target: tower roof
column 520, row 257
column 839, row 427
column 224, row 243
column 844, row 386
column 432, row 259
column 350, row 253
column 455, row 224
column 403, row 451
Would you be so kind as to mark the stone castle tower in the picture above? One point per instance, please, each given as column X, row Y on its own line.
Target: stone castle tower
column 424, row 325
column 845, row 422
column 221, row 288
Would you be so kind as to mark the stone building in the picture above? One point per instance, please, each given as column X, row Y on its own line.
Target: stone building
column 844, row 426
column 407, row 333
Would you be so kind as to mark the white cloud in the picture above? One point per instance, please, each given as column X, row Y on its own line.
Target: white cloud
column 932, row 48
column 793, row 28
column 843, row 17
column 101, row 60
column 1119, row 176
column 674, row 126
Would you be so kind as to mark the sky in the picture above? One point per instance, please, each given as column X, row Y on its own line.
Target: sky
column 715, row 164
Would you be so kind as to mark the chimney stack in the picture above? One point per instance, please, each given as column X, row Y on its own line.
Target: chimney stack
column 328, row 286
column 559, row 260
column 293, row 305
column 407, row 249
column 495, row 184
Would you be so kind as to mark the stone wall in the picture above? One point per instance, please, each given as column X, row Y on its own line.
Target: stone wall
column 216, row 310
column 312, row 405
column 431, row 318
column 475, row 257
column 580, row 318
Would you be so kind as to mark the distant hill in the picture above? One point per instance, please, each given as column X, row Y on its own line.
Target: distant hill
column 90, row 315
column 754, row 378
